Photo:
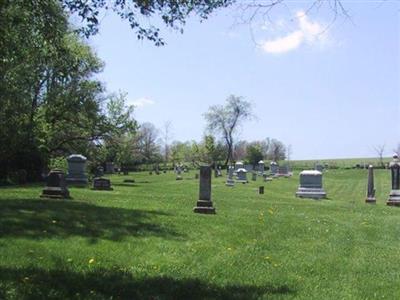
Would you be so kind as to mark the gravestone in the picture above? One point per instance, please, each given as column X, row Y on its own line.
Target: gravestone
column 370, row 188
column 261, row 167
column 56, row 185
column 249, row 168
column 178, row 171
column 241, row 175
column 230, row 181
column 109, row 167
column 254, row 176
column 261, row 190
column 204, row 204
column 99, row 172
column 319, row 167
column 311, row 185
column 267, row 178
column 76, row 170
column 102, row 184
column 238, row 165
column 394, row 196
column 273, row 167
column 283, row 171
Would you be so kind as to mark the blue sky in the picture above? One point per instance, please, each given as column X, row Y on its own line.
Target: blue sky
column 330, row 91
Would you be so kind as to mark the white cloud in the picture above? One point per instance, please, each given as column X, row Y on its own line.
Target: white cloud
column 309, row 32
column 141, row 102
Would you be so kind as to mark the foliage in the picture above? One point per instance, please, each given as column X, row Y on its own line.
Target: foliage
column 171, row 12
column 226, row 119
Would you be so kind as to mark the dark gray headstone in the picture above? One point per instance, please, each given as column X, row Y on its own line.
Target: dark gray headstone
column 56, row 185
column 230, row 181
column 370, row 188
column 394, row 197
column 204, row 204
column 261, row 190
column 103, row 184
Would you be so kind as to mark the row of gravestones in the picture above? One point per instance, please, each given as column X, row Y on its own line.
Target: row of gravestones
column 310, row 186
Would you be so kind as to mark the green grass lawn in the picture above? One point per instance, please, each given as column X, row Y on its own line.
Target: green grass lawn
column 142, row 241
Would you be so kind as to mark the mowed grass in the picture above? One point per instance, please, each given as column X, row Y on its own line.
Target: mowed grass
column 142, row 241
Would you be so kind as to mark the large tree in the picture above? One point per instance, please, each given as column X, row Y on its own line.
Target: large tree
column 226, row 119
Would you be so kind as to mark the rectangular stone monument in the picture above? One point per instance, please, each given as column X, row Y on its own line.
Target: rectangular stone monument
column 109, row 168
column 178, row 172
column 76, row 170
column 230, row 181
column 370, row 188
column 261, row 167
column 241, row 175
column 254, row 176
column 273, row 167
column 102, row 184
column 204, row 204
column 311, row 185
column 56, row 185
column 394, row 196
column 261, row 190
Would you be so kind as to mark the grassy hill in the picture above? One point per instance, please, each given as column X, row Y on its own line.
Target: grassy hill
column 142, row 241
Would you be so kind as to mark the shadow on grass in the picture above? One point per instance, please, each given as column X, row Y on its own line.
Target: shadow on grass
column 31, row 283
column 64, row 218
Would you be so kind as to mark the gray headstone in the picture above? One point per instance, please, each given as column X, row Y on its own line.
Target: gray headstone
column 241, row 175
column 273, row 168
column 76, row 170
column 103, row 184
column 56, row 185
column 230, row 181
column 394, row 196
column 254, row 176
column 109, row 168
column 370, row 188
column 311, row 185
column 204, row 204
column 261, row 167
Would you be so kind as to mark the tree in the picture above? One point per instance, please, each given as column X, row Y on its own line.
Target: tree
column 226, row 119
column 277, row 150
column 380, row 150
column 166, row 136
column 254, row 153
column 147, row 143
column 138, row 13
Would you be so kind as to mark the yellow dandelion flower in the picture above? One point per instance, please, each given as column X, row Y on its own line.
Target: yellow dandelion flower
column 70, row 260
column 229, row 249
column 271, row 211
column 91, row 261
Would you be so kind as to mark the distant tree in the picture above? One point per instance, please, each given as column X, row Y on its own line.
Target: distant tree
column 380, row 151
column 277, row 150
column 225, row 120
column 148, row 143
column 254, row 153
column 166, row 136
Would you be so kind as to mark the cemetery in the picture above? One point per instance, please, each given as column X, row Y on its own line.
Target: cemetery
column 179, row 150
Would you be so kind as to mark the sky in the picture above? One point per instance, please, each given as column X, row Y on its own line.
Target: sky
column 330, row 89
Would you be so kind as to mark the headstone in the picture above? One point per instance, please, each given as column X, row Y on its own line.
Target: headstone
column 230, row 181
column 261, row 190
column 102, row 184
column 99, row 171
column 241, row 175
column 178, row 171
column 109, row 167
column 261, row 167
column 394, row 197
column 76, row 170
column 319, row 167
column 370, row 188
column 204, row 204
column 249, row 168
column 267, row 178
column 273, row 166
column 311, row 185
column 254, row 176
column 283, row 171
column 238, row 165
column 56, row 185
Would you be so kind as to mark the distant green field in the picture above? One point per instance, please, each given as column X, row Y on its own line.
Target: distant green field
column 339, row 162
column 142, row 241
